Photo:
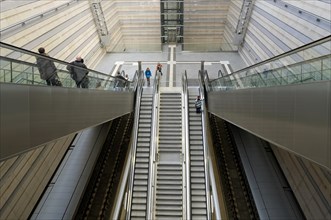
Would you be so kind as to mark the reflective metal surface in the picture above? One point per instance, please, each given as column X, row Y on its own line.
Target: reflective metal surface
column 34, row 115
column 294, row 117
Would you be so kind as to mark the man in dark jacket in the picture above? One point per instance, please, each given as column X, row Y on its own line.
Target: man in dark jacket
column 47, row 69
column 79, row 73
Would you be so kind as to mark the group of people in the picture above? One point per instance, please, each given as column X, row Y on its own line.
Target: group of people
column 148, row 73
column 48, row 71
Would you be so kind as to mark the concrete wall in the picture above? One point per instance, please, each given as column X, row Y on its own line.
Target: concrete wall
column 134, row 25
column 204, row 24
column 310, row 183
column 279, row 26
column 65, row 28
column 23, row 178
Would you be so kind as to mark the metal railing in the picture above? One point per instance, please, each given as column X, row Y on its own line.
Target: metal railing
column 187, row 143
column 311, row 62
column 208, row 175
column 18, row 65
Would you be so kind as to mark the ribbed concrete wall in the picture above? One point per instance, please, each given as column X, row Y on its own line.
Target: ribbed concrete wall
column 23, row 178
column 134, row 25
column 65, row 28
column 310, row 183
column 279, row 26
column 204, row 24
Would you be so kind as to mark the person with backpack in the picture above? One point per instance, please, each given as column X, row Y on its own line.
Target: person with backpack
column 148, row 75
column 78, row 71
column 47, row 69
column 198, row 104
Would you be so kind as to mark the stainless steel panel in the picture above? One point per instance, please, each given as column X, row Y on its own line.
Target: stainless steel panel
column 34, row 115
column 294, row 117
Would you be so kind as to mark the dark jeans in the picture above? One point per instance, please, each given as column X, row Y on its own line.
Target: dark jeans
column 83, row 83
column 54, row 81
column 198, row 110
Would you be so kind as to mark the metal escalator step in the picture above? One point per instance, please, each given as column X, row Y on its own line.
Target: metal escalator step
column 172, row 178
column 171, row 214
column 137, row 218
column 197, row 174
column 144, row 130
column 137, row 213
column 140, row 188
column 198, row 186
column 198, row 198
column 141, row 171
column 168, row 192
column 143, row 149
column 139, row 194
column 140, row 182
column 140, row 177
column 169, row 208
column 170, row 168
column 198, row 192
column 169, row 187
column 199, row 212
column 197, row 180
column 139, row 200
column 193, row 133
column 167, row 182
column 148, row 140
column 195, row 137
column 196, row 142
column 142, row 165
column 142, row 160
column 144, row 135
column 196, row 163
column 169, row 198
column 170, row 172
column 195, row 128
column 196, row 147
column 143, row 145
column 197, row 158
column 145, row 120
column 198, row 169
column 137, row 207
column 199, row 205
column 195, row 152
column 142, row 154
column 169, row 203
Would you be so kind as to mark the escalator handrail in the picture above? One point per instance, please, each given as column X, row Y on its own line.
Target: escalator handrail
column 209, row 175
column 187, row 150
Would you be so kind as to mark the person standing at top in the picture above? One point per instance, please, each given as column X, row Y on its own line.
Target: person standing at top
column 159, row 68
column 79, row 74
column 148, row 75
column 47, row 69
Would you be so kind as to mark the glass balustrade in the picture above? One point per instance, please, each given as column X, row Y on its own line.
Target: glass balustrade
column 306, row 64
column 19, row 66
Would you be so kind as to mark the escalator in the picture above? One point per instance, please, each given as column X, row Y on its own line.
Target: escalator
column 142, row 159
column 284, row 100
column 46, row 113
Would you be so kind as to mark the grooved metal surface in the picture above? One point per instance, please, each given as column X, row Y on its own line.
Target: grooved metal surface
column 141, row 174
column 197, row 161
column 169, row 180
column 294, row 117
column 39, row 114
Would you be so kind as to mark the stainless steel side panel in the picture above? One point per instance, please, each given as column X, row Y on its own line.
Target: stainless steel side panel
column 294, row 117
column 34, row 115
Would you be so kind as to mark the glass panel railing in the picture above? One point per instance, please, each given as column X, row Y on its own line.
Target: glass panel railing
column 20, row 66
column 311, row 62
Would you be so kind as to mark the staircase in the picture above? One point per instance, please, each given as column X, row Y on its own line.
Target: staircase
column 140, row 181
column 169, row 179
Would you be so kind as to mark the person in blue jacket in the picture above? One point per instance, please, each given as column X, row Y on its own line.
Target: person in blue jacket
column 148, row 75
